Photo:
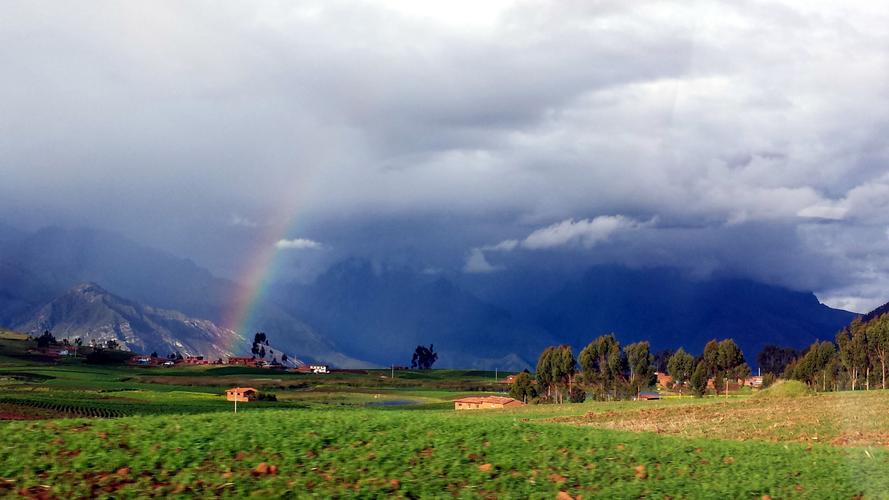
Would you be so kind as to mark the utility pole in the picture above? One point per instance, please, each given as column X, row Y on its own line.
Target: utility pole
column 236, row 404
column 393, row 371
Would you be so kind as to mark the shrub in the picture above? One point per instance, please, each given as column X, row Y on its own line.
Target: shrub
column 577, row 395
column 768, row 379
column 266, row 396
column 699, row 380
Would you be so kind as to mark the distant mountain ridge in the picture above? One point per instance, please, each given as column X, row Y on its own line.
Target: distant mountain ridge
column 670, row 309
column 39, row 267
column 90, row 312
column 879, row 311
column 361, row 313
column 378, row 311
column 382, row 314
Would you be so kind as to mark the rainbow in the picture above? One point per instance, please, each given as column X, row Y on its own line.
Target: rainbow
column 256, row 277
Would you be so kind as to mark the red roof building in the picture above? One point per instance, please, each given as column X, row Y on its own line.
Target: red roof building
column 232, row 360
column 241, row 394
column 663, row 379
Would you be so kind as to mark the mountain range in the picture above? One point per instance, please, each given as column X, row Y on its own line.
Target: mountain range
column 362, row 313
column 42, row 271
column 95, row 315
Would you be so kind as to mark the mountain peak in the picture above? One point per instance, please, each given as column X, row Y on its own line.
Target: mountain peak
column 88, row 287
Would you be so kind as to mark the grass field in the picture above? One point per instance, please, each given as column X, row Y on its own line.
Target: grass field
column 166, row 432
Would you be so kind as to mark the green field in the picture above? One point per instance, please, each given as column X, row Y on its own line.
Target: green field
column 159, row 432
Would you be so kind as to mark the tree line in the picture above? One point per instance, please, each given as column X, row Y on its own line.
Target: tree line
column 606, row 371
column 858, row 358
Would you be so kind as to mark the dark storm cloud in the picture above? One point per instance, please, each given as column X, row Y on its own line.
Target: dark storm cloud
column 196, row 126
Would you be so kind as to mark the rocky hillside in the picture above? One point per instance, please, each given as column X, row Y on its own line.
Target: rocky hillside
column 93, row 314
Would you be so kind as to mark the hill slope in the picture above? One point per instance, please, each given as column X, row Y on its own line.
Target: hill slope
column 93, row 314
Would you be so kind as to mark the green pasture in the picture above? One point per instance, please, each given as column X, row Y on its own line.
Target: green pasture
column 121, row 431
column 370, row 453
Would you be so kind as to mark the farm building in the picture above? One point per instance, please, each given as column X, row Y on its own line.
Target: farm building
column 196, row 360
column 509, row 379
column 648, row 395
column 486, row 403
column 233, row 360
column 663, row 379
column 242, row 394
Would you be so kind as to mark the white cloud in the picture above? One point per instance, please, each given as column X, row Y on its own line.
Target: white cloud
column 477, row 263
column 298, row 244
column 503, row 246
column 585, row 232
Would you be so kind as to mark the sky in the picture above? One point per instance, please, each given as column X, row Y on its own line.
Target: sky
column 743, row 138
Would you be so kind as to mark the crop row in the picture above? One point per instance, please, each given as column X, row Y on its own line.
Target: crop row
column 67, row 409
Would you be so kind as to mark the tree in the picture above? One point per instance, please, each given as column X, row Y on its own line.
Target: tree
column 523, row 388
column 555, row 371
column 640, row 361
column 661, row 359
column 283, row 357
column 852, row 342
column 878, row 337
column 112, row 344
column 731, row 362
column 424, row 357
column 543, row 372
column 601, row 365
column 710, row 357
column 260, row 339
column 154, row 354
column 815, row 366
column 699, row 379
column 46, row 340
column 774, row 359
column 680, row 366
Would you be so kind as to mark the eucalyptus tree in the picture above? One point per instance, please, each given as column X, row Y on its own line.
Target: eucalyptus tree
column 680, row 366
column 877, row 331
column 555, row 371
column 639, row 360
column 601, row 364
column 852, row 343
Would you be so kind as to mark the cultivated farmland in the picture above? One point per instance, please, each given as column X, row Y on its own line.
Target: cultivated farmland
column 150, row 433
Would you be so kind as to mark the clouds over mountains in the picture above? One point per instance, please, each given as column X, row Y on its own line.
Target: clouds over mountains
column 584, row 233
column 753, row 133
